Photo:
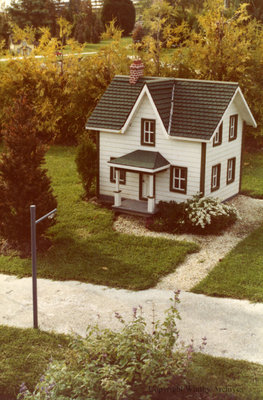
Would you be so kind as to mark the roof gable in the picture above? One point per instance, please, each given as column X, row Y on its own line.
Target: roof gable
column 188, row 109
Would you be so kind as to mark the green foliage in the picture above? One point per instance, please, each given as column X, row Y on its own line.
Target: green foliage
column 23, row 181
column 201, row 215
column 35, row 13
column 86, row 160
column 122, row 11
column 118, row 365
column 87, row 24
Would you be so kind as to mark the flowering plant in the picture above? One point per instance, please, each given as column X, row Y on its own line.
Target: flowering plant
column 119, row 365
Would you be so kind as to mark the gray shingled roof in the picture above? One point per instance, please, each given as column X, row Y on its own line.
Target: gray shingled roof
column 151, row 160
column 198, row 105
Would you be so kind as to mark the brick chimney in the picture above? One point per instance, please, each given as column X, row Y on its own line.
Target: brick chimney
column 136, row 71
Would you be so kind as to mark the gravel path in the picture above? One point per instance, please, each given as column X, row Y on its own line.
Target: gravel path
column 212, row 248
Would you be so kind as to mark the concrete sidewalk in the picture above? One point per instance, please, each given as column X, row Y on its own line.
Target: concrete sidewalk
column 234, row 328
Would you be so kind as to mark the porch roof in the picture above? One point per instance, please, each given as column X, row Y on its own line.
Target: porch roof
column 141, row 160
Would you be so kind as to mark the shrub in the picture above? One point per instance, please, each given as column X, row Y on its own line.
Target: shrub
column 86, row 160
column 23, row 180
column 118, row 365
column 208, row 215
column 202, row 215
column 121, row 10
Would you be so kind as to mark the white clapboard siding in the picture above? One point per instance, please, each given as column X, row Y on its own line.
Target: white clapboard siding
column 220, row 154
column 177, row 152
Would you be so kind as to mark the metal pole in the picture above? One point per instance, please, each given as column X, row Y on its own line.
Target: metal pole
column 34, row 263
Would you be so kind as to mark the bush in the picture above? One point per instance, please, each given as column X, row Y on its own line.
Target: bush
column 208, row 215
column 201, row 215
column 121, row 10
column 138, row 34
column 118, row 365
column 86, row 160
column 23, row 180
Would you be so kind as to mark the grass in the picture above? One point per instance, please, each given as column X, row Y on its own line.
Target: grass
column 85, row 247
column 252, row 180
column 240, row 275
column 25, row 354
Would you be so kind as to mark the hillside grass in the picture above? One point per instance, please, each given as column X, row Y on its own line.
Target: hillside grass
column 85, row 246
column 25, row 354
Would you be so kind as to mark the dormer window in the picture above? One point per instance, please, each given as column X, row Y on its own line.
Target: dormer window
column 148, row 132
column 233, row 127
column 218, row 136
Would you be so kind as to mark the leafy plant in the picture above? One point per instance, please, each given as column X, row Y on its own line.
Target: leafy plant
column 119, row 365
column 86, row 160
column 202, row 215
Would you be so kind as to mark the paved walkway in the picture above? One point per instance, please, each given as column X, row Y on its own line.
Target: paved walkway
column 234, row 328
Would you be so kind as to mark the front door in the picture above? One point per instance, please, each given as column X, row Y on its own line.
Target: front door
column 144, row 186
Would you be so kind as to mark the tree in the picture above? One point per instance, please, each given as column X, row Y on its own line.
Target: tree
column 225, row 48
column 35, row 13
column 87, row 24
column 62, row 90
column 23, row 181
column 123, row 11
column 86, row 160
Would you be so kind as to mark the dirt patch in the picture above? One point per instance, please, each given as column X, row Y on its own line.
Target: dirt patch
column 212, row 247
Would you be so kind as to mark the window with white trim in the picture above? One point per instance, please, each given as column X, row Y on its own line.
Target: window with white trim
column 178, row 179
column 215, row 177
column 148, row 132
column 233, row 127
column 218, row 136
column 231, row 169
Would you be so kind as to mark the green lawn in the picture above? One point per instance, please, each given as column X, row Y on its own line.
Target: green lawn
column 240, row 274
column 25, row 354
column 252, row 181
column 85, row 247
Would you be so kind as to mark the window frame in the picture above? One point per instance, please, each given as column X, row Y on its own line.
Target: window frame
column 219, row 132
column 150, row 132
column 217, row 168
column 122, row 180
column 233, row 127
column 233, row 170
column 179, row 178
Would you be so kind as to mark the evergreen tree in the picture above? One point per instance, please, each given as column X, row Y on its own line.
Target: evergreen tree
column 121, row 10
column 23, row 181
column 36, row 13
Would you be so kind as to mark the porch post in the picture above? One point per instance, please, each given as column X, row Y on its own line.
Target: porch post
column 151, row 199
column 117, row 191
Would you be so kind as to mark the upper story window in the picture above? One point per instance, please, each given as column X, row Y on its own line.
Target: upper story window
column 233, row 127
column 178, row 179
column 148, row 132
column 215, row 177
column 231, row 168
column 218, row 136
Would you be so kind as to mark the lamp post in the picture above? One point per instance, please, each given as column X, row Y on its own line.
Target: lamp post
column 33, row 223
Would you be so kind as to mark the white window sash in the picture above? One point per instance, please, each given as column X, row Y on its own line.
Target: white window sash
column 178, row 180
column 148, row 132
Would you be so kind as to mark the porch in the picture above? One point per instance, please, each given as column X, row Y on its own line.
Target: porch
column 134, row 207
column 147, row 164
